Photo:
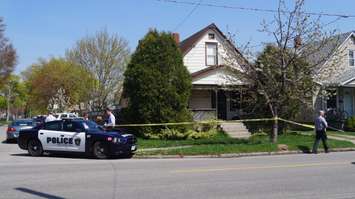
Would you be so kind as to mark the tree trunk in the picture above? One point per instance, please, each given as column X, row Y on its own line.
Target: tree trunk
column 275, row 130
column 8, row 105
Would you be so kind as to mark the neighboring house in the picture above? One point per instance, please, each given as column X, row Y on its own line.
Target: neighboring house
column 340, row 85
column 205, row 56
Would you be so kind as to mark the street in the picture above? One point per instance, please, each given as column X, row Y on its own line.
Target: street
column 287, row 176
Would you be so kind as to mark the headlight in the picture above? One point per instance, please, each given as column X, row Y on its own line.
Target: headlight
column 117, row 140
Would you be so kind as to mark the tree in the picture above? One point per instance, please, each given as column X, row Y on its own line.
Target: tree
column 13, row 96
column 157, row 84
column 49, row 80
column 106, row 57
column 7, row 55
column 284, row 72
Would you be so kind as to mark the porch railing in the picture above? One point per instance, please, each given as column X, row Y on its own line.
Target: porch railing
column 203, row 114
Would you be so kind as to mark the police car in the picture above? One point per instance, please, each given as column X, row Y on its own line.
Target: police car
column 76, row 136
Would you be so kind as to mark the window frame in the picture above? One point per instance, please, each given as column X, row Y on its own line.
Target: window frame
column 211, row 36
column 54, row 122
column 216, row 56
column 353, row 57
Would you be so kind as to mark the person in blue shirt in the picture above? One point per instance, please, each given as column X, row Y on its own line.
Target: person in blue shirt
column 320, row 127
column 111, row 120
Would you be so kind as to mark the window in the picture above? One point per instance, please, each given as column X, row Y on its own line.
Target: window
column 53, row 126
column 351, row 58
column 210, row 36
column 211, row 54
column 235, row 100
column 70, row 126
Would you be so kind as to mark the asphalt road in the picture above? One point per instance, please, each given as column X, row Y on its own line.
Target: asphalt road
column 288, row 176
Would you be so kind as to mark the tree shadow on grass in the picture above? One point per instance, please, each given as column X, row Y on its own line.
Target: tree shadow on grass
column 304, row 149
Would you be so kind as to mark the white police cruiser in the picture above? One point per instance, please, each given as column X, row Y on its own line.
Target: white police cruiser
column 77, row 136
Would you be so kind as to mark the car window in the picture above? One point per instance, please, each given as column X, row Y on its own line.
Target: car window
column 72, row 115
column 23, row 123
column 53, row 126
column 68, row 126
column 64, row 116
column 71, row 126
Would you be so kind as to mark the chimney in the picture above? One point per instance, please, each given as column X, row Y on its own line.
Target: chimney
column 298, row 41
column 176, row 37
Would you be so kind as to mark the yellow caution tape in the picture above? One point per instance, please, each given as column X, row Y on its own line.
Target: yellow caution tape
column 297, row 123
column 196, row 122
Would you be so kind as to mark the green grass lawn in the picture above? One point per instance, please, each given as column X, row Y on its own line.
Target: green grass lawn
column 222, row 144
column 3, row 122
column 331, row 132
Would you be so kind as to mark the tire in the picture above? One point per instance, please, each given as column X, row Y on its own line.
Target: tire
column 35, row 148
column 100, row 150
column 127, row 156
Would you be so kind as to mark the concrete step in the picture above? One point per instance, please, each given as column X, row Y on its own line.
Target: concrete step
column 236, row 130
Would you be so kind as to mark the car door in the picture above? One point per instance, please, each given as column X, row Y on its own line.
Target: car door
column 74, row 132
column 51, row 136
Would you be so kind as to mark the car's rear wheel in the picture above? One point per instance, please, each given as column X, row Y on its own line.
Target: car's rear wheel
column 35, row 147
column 100, row 150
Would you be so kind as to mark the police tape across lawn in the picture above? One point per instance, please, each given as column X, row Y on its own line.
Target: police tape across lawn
column 220, row 122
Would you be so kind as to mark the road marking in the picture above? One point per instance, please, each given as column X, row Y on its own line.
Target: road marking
column 202, row 170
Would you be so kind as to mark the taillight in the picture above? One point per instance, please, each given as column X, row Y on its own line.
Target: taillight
column 109, row 139
column 11, row 129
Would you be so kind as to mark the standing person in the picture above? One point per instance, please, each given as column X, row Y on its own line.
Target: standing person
column 320, row 127
column 50, row 117
column 111, row 121
column 86, row 116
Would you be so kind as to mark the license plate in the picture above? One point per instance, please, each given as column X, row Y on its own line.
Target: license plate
column 133, row 148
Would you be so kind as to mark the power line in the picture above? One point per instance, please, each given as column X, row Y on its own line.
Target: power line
column 254, row 9
column 188, row 15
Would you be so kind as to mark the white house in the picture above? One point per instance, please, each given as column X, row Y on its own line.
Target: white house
column 342, row 80
column 204, row 55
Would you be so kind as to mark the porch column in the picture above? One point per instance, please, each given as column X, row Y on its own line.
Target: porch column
column 216, row 101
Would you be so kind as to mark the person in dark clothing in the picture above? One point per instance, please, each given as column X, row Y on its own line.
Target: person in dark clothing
column 320, row 127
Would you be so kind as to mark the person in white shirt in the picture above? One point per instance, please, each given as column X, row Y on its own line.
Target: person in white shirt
column 111, row 121
column 50, row 118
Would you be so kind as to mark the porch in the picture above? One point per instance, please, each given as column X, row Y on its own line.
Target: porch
column 216, row 102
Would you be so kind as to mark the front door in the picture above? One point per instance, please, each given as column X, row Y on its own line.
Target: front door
column 348, row 101
column 222, row 105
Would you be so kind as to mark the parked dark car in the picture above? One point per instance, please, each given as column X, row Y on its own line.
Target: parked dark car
column 14, row 128
column 77, row 136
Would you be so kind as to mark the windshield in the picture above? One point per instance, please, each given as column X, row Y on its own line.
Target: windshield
column 92, row 125
column 23, row 123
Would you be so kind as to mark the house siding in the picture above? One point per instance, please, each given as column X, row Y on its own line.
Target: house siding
column 195, row 59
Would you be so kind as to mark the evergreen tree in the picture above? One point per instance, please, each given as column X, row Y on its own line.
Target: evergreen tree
column 157, row 84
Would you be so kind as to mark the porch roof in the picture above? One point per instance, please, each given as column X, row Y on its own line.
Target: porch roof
column 343, row 79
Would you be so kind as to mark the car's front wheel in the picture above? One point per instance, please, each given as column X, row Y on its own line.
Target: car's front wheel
column 35, row 147
column 100, row 150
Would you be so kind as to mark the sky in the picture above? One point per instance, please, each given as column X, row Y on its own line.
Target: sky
column 46, row 28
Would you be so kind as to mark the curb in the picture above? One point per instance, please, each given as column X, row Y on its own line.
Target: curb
column 236, row 155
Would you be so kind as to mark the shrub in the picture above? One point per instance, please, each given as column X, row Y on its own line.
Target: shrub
column 168, row 134
column 350, row 124
column 194, row 135
column 157, row 84
column 209, row 125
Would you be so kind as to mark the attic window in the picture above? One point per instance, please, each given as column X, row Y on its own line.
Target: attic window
column 210, row 36
column 211, row 54
column 351, row 58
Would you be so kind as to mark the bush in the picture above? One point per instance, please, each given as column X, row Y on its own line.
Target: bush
column 168, row 134
column 194, row 135
column 157, row 85
column 209, row 125
column 350, row 124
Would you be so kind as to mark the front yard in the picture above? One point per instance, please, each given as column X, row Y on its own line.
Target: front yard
column 222, row 144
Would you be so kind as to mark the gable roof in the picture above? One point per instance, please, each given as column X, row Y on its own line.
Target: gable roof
column 187, row 44
column 328, row 50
